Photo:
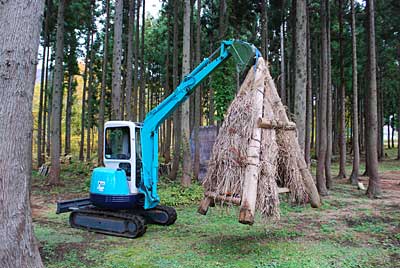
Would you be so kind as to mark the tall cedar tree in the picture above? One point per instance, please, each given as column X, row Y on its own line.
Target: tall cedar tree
column 54, row 176
column 177, row 115
column 374, row 185
column 356, row 146
column 100, row 142
column 322, row 148
column 129, row 60
column 20, row 23
column 300, row 69
column 342, row 96
column 197, row 106
column 116, row 112
column 185, row 127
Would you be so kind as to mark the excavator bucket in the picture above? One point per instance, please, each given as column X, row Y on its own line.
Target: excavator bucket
column 244, row 54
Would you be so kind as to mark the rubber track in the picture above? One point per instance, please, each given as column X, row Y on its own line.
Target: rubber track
column 136, row 219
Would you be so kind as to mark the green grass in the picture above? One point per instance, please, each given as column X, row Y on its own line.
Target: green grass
column 345, row 232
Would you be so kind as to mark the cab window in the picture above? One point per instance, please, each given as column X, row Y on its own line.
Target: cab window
column 117, row 144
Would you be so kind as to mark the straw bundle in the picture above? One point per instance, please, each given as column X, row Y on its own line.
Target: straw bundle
column 255, row 151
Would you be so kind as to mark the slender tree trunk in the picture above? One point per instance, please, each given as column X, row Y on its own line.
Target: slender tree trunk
column 264, row 29
column 20, row 23
column 142, row 92
column 100, row 139
column 167, row 142
column 90, row 102
column 309, row 105
column 177, row 114
column 54, row 176
column 129, row 60
column 185, row 127
column 40, row 112
column 49, row 108
column 117, row 60
column 374, row 186
column 398, row 120
column 136, row 61
column 356, row 147
column 300, row 71
column 197, row 106
column 68, row 113
column 283, row 67
column 342, row 96
column 322, row 150
column 328, row 160
column 388, row 132
column 83, row 114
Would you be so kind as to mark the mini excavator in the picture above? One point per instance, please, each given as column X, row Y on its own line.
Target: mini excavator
column 123, row 194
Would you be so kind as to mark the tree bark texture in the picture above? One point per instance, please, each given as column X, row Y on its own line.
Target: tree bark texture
column 90, row 100
column 300, row 72
column 100, row 142
column 83, row 114
column 374, row 185
column 117, row 59
column 129, row 60
column 342, row 96
column 68, row 113
column 197, row 102
column 185, row 127
column 322, row 148
column 356, row 147
column 20, row 24
column 54, row 176
column 328, row 160
column 177, row 113
column 142, row 92
column 309, row 100
column 136, row 61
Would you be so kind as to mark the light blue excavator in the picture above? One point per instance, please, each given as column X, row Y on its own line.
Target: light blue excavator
column 123, row 194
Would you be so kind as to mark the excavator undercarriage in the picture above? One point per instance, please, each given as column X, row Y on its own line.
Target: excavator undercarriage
column 129, row 223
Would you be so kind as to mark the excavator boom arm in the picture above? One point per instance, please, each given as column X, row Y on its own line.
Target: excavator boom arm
column 242, row 52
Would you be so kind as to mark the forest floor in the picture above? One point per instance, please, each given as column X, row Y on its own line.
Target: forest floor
column 349, row 230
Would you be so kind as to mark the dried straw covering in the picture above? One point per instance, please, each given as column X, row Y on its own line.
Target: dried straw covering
column 248, row 162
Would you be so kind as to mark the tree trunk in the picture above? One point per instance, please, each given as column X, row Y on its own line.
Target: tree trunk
column 90, row 101
column 264, row 29
column 197, row 103
column 177, row 114
column 136, row 62
column 322, row 148
column 374, row 185
column 142, row 92
column 167, row 141
column 328, row 160
column 83, row 114
column 356, row 147
column 20, row 23
column 398, row 121
column 300, row 71
column 283, row 67
column 116, row 112
column 54, row 176
column 68, row 113
column 342, row 96
column 100, row 142
column 129, row 60
column 185, row 127
column 309, row 102
column 40, row 112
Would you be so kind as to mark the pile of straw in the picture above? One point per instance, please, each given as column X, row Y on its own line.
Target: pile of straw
column 249, row 162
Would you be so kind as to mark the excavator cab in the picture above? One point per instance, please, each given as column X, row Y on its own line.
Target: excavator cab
column 115, row 186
